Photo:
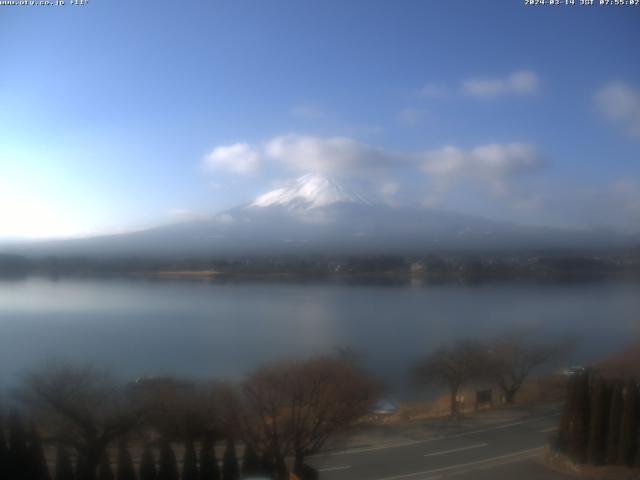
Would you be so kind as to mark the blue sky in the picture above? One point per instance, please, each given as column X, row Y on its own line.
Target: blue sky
column 117, row 115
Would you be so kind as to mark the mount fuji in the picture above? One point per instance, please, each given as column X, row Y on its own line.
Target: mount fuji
column 308, row 192
column 317, row 214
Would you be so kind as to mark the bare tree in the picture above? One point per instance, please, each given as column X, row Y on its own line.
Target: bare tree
column 80, row 407
column 293, row 408
column 178, row 409
column 452, row 366
column 511, row 358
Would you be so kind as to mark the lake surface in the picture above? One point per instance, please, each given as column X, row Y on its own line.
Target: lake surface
column 201, row 328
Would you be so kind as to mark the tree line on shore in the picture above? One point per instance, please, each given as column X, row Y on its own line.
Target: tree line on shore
column 600, row 423
column 506, row 361
column 438, row 266
column 102, row 429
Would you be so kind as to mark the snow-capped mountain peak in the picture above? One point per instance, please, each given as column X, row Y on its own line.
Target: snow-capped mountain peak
column 310, row 191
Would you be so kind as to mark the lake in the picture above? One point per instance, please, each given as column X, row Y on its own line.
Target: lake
column 210, row 329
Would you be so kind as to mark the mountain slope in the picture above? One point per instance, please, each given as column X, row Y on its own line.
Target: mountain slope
column 318, row 215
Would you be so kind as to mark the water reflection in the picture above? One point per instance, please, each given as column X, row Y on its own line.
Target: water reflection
column 224, row 329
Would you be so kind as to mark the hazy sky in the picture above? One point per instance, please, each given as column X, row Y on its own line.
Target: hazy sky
column 121, row 114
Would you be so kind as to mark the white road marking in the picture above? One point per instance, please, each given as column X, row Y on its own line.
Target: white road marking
column 333, row 469
column 495, row 464
column 444, row 452
column 462, row 465
column 429, row 440
column 547, row 430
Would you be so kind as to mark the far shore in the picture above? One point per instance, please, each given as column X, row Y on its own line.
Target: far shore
column 382, row 275
column 182, row 274
column 208, row 274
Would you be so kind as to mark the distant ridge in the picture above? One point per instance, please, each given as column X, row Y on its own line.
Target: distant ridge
column 319, row 215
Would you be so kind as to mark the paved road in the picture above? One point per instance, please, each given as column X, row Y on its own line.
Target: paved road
column 507, row 450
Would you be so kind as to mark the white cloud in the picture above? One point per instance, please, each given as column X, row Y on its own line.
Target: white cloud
column 620, row 103
column 332, row 155
column 523, row 82
column 239, row 158
column 493, row 165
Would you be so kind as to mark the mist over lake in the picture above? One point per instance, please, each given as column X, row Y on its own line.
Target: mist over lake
column 139, row 327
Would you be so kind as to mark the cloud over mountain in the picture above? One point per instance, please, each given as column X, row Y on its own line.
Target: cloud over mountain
column 332, row 155
column 507, row 178
column 492, row 166
column 345, row 156
column 306, row 153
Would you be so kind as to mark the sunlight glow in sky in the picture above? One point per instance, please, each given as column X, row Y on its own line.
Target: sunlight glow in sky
column 119, row 115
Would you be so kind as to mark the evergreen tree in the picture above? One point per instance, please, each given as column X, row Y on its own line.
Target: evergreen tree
column 267, row 466
column 230, row 470
column 18, row 451
column 83, row 470
column 637, row 459
column 105, row 472
column 250, row 462
column 600, row 397
column 148, row 465
column 281, row 470
column 4, row 453
column 125, row 470
column 579, row 426
column 629, row 425
column 168, row 469
column 38, row 469
column 567, row 413
column 209, row 469
column 615, row 417
column 189, row 462
column 63, row 470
